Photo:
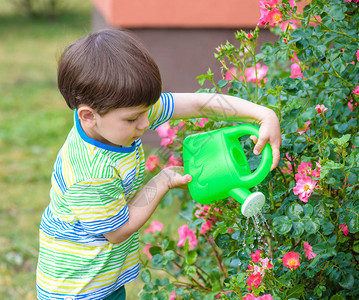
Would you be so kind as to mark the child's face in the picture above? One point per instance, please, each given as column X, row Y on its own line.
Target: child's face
column 121, row 126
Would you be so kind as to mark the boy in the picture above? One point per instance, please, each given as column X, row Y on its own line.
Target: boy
column 88, row 233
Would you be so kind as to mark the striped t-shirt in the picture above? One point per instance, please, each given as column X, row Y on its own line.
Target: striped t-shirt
column 91, row 184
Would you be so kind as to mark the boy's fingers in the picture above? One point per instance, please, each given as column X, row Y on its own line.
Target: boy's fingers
column 276, row 157
column 275, row 151
column 259, row 146
column 254, row 139
column 178, row 181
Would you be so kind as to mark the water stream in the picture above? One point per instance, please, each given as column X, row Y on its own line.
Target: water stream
column 260, row 227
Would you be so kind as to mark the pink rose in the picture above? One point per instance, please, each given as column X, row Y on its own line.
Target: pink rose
column 295, row 71
column 344, row 228
column 173, row 296
column 274, row 17
column 184, row 234
column 304, row 188
column 250, row 73
column 308, row 251
column 146, row 250
column 202, row 122
column 229, row 75
column 263, row 19
column 256, row 256
column 305, row 128
column 205, row 227
column 162, row 130
column 249, row 297
column 254, row 280
column 265, row 297
column 304, row 169
column 173, row 161
column 288, row 25
column 152, row 162
column 155, row 226
column 291, row 260
column 321, row 108
column 292, row 3
column 271, row 3
column 222, row 291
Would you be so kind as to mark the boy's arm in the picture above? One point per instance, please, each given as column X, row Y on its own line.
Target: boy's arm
column 142, row 206
column 224, row 107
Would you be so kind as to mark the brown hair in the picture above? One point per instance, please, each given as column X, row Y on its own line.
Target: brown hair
column 108, row 69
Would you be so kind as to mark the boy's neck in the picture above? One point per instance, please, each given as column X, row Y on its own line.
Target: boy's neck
column 92, row 133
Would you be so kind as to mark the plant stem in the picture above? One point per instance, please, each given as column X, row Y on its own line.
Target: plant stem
column 219, row 260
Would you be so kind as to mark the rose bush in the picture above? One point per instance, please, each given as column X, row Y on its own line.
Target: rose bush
column 307, row 245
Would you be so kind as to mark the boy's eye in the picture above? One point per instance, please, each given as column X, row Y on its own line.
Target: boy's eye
column 131, row 121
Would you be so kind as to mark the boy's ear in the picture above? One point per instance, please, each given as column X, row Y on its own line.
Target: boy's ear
column 87, row 116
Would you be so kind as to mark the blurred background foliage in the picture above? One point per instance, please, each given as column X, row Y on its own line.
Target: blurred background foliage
column 34, row 121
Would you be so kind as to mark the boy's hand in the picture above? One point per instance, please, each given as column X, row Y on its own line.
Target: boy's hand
column 174, row 177
column 269, row 132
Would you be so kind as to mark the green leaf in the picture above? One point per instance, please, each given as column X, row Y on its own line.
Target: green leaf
column 146, row 296
column 311, row 226
column 162, row 282
column 295, row 291
column 165, row 243
column 329, row 165
column 335, row 275
column 146, row 276
column 356, row 246
column 279, row 191
column 298, row 229
column 341, row 141
column 150, row 287
column 169, row 255
column 308, row 210
column 337, row 297
column 222, row 83
column 352, row 178
column 356, row 140
column 196, row 224
column 327, row 226
column 155, row 250
column 294, row 211
column 336, row 12
column 299, row 147
column 237, row 85
column 162, row 295
column 157, row 259
column 223, row 241
column 190, row 270
column 353, row 220
column 191, row 257
column 347, row 281
column 282, row 224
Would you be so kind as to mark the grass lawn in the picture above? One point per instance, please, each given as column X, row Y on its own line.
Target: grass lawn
column 34, row 121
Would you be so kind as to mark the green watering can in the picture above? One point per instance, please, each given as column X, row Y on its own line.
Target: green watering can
column 219, row 167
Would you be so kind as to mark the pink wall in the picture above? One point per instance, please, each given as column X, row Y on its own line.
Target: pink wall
column 179, row 13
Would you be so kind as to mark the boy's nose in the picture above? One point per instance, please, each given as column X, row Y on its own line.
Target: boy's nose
column 144, row 123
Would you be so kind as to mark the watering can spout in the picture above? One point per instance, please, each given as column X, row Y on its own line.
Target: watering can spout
column 251, row 203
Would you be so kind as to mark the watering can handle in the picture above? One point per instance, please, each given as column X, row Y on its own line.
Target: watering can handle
column 263, row 169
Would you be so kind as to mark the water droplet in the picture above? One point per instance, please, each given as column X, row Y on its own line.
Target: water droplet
column 264, row 221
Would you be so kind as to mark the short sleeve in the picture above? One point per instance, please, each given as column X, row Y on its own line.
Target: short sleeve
column 161, row 111
column 98, row 204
